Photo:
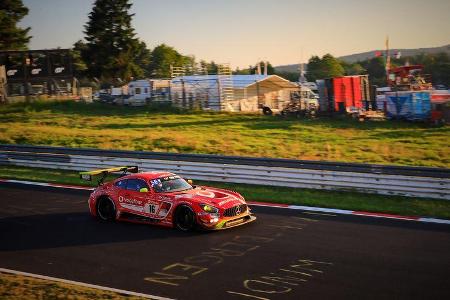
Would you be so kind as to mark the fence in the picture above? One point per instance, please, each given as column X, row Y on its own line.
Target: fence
column 380, row 179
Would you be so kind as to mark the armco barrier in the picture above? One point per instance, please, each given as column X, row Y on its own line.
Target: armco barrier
column 393, row 180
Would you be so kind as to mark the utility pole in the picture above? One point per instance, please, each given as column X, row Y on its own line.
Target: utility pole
column 387, row 59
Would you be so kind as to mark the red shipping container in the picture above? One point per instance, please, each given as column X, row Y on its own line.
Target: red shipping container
column 339, row 94
column 357, row 93
column 347, row 92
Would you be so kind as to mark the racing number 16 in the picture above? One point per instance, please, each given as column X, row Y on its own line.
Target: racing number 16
column 152, row 208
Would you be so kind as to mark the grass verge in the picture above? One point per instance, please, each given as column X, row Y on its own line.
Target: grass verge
column 165, row 129
column 331, row 199
column 18, row 287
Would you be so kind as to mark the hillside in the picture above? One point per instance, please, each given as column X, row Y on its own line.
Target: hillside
column 405, row 52
column 289, row 68
column 370, row 54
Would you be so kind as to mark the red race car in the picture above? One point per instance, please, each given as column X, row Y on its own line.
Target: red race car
column 165, row 199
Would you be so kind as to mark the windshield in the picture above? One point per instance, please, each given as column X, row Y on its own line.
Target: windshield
column 170, row 184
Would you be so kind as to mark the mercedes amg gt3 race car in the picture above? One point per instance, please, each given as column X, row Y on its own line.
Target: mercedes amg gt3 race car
column 165, row 199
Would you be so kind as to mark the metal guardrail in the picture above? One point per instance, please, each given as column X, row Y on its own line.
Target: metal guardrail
column 381, row 179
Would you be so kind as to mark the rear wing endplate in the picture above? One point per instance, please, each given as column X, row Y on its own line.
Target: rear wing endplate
column 88, row 175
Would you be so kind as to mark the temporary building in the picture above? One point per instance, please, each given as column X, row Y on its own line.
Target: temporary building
column 231, row 92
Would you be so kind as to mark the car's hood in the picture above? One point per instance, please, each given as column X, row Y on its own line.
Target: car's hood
column 208, row 195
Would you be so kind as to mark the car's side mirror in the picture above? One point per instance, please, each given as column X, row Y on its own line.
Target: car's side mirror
column 143, row 190
column 190, row 181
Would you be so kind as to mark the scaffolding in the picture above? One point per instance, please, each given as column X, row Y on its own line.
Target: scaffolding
column 225, row 86
column 192, row 87
column 177, row 71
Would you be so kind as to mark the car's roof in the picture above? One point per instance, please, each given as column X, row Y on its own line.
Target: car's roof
column 150, row 175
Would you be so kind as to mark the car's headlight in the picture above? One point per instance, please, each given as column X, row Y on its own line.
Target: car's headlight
column 209, row 208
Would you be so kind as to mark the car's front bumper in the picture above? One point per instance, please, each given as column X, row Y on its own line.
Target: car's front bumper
column 230, row 222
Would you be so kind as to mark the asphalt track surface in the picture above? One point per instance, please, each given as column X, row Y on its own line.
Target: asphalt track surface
column 284, row 254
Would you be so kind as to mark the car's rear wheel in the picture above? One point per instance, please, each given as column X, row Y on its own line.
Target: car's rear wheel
column 106, row 209
column 184, row 218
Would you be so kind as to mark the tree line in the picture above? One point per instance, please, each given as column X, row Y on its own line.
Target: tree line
column 110, row 52
column 437, row 65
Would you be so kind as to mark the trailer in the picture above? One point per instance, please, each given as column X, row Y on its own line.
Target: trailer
column 139, row 93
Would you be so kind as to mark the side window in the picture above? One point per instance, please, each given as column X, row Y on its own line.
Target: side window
column 121, row 184
column 136, row 184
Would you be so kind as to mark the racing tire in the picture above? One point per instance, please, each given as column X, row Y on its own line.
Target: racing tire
column 106, row 210
column 184, row 218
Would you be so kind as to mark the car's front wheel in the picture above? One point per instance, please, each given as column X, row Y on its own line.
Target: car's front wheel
column 184, row 218
column 106, row 209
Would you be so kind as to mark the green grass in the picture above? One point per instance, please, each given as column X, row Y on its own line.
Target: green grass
column 73, row 124
column 333, row 199
column 19, row 287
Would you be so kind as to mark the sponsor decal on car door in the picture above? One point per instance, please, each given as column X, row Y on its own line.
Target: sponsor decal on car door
column 131, row 198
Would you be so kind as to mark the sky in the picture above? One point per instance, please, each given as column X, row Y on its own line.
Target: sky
column 242, row 32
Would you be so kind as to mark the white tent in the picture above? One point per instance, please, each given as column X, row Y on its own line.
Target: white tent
column 248, row 91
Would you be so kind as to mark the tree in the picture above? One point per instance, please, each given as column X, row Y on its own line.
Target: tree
column 246, row 71
column 209, row 67
column 112, row 49
column 315, row 69
column 142, row 60
column 11, row 36
column 376, row 70
column 332, row 66
column 353, row 68
column 79, row 65
column 437, row 65
column 163, row 57
column 326, row 67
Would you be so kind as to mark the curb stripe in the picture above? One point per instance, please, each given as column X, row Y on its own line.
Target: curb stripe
column 56, row 185
column 322, row 209
column 267, row 204
column 382, row 215
column 94, row 286
column 433, row 220
column 66, row 186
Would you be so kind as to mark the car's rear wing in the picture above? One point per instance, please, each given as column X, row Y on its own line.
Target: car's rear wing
column 88, row 175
